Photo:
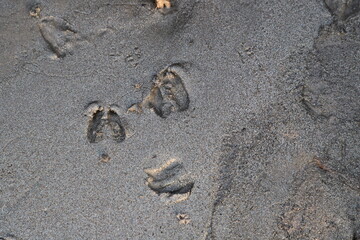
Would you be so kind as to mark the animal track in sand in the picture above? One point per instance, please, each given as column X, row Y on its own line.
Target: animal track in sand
column 104, row 122
column 58, row 34
column 170, row 179
column 343, row 9
column 168, row 94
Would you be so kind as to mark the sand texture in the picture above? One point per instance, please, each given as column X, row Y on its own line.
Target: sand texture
column 181, row 119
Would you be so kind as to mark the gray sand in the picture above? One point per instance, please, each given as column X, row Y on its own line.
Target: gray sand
column 270, row 138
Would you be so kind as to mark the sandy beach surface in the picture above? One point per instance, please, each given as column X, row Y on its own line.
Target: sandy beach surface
column 212, row 119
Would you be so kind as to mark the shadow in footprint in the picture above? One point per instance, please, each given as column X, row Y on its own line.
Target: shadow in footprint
column 96, row 123
column 114, row 122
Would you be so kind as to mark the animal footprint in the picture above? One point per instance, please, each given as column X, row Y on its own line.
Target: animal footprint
column 170, row 179
column 168, row 94
column 104, row 122
column 59, row 35
column 343, row 9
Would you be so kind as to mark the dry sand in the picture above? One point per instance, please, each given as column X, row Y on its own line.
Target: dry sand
column 209, row 120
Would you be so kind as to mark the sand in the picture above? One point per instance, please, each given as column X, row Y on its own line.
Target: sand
column 207, row 120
